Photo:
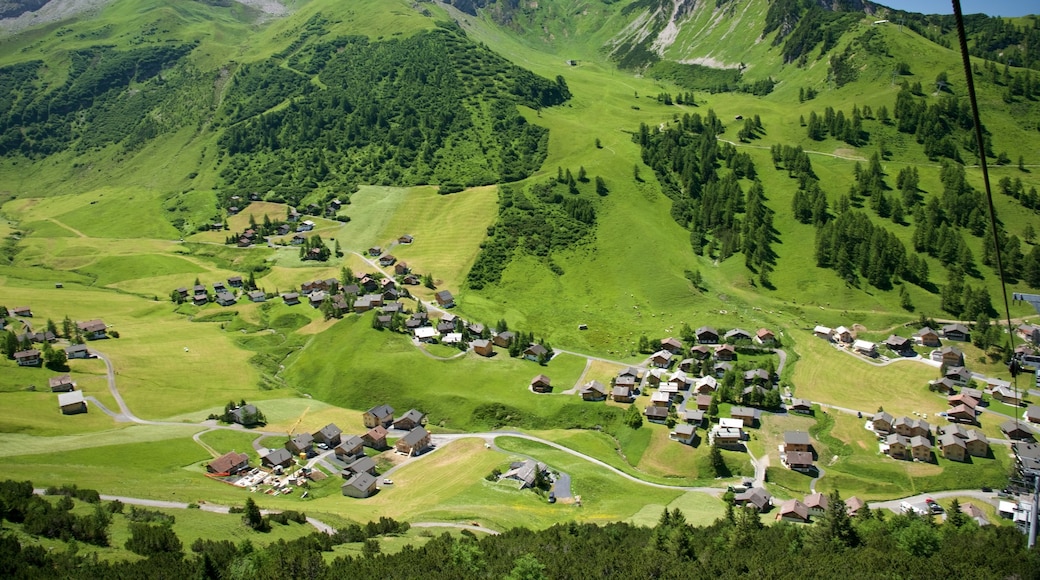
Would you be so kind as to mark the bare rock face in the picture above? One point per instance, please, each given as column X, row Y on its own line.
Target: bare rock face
column 15, row 8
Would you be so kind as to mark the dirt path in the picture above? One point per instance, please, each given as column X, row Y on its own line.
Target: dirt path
column 68, row 227
column 581, row 379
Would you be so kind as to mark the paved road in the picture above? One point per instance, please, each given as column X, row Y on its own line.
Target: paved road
column 470, row 527
column 988, row 497
column 819, row 475
column 562, row 487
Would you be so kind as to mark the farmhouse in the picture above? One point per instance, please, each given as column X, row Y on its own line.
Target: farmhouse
column 410, row 420
column 793, row 510
column 622, row 395
column 541, row 384
column 291, row 298
column 796, row 441
column 72, row 403
column 865, row 348
column 756, row 496
column 798, row 460
column 328, row 435
column 1016, row 430
column 27, row 358
column 842, row 334
column 535, row 352
column 953, row 447
column 707, row 335
column 375, row 438
column 301, row 444
column 414, row 442
column 948, row 355
column 277, row 458
column 360, row 486
column 882, row 422
column 765, row 337
column 526, row 472
column 77, row 351
column 927, row 337
column 24, row 311
column 956, row 332
column 503, row 339
column 672, row 345
column 661, row 359
column 800, row 406
column 352, row 446
column 593, row 391
column 817, row 503
column 380, row 415
column 684, row 433
column 228, row 464
column 899, row 344
column 444, row 299
column 706, row 384
column 746, row 414
column 93, row 329
column 656, row 414
column 725, row 352
column 824, row 332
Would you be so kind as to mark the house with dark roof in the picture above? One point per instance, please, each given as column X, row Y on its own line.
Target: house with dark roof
column 61, row 383
column 684, row 433
column 756, row 496
column 745, row 414
column 952, row 447
column 228, row 464
column 737, row 335
column 797, row 441
column 503, row 339
column 93, row 329
column 793, row 510
column 387, row 260
column 257, row 296
column 707, row 335
column 444, row 299
column 360, row 486
column 378, row 415
column 77, row 351
column 410, row 420
column 882, row 422
column 800, row 406
column 277, row 458
column 72, row 403
column 672, row 345
column 328, row 435
column 526, row 472
column 927, row 337
column 23, row 311
column 798, row 460
column 375, row 438
column 225, row 298
column 350, row 447
column 301, row 444
column 541, row 384
column 949, row 356
column 414, row 442
column 1016, row 430
column 622, row 395
column 896, row 445
column 899, row 344
column 959, row 375
column 363, row 464
column 957, row 332
column 291, row 298
column 246, row 415
column 28, row 358
column 921, row 448
column 593, row 391
column 482, row 347
column 535, row 352
column 656, row 414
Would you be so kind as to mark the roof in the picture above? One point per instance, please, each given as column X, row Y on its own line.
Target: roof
column 537, row 350
column 756, row 495
column 656, row 412
column 59, row 380
column 302, row 440
column 949, row 439
column 413, row 437
column 362, row 481
column 594, row 387
column 228, row 461
column 92, row 326
column 854, row 504
column 480, row 343
column 362, row 464
column 863, row 345
column 684, row 429
column 329, row 431
column 706, row 329
column 414, row 415
column 738, row 332
column 76, row 348
column 377, row 432
column 622, row 392
column 660, row 396
column 793, row 507
column 796, row 438
column 799, row 458
column 444, row 296
column 381, row 411
column 278, row 456
column 801, row 403
column 919, row 441
column 540, row 379
column 70, row 398
column 351, row 442
column 817, row 500
column 822, row 330
column 955, row 328
column 743, row 412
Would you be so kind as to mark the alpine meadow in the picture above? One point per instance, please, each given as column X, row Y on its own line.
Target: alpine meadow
column 501, row 289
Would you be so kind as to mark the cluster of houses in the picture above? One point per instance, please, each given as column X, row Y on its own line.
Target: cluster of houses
column 908, row 438
column 925, row 337
column 794, row 510
column 360, row 470
column 223, row 294
column 32, row 357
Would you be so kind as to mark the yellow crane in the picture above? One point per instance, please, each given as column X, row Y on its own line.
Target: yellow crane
column 297, row 423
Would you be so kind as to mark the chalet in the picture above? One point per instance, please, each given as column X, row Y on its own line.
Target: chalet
column 182, row 293
column 445, row 327
column 77, row 351
column 93, row 329
column 793, row 510
column 882, row 422
column 908, row 427
column 842, row 334
column 1004, row 393
column 291, row 298
column 350, row 290
column 746, row 414
column 700, row 352
column 257, row 296
column 921, row 448
column 737, row 335
column 721, row 368
column 299, row 240
column 1029, row 332
column 350, row 448
column 977, row 443
column 414, row 442
column 235, row 281
column 626, row 381
column 482, row 347
column 798, row 460
column 800, row 406
column 707, row 335
column 756, row 496
column 823, row 332
column 817, row 503
column 369, row 283
column 661, row 359
column 656, row 414
column 405, row 239
column 669, row 389
column 503, row 339
column 757, row 377
column 957, row 332
column 384, row 320
column 728, row 435
column 444, row 299
column 328, row 435
column 949, row 356
column 961, row 413
column 693, row 416
column 401, row 268
column 853, row 505
column 1032, row 413
column 380, row 415
column 526, row 472
column 952, row 447
column 959, row 375
column 797, row 441
column 363, row 304
column 655, row 376
column 671, row 345
column 765, row 337
column 61, row 384
column 426, row 333
column 621, row 395
column 387, row 260
column 593, row 391
column 72, row 403
column 219, row 287
column 246, row 415
column 340, row 304
column 283, row 230
column 973, row 512
column 228, row 464
column 410, row 420
column 277, row 458
column 896, row 445
column 410, row 280
column 23, row 311
column 393, row 307
column 899, row 344
column 661, row 399
column 725, row 352
column 28, row 358
column 359, row 486
column 684, row 433
column 973, row 393
column 541, row 384
column 45, row 336
column 535, row 352
column 927, row 337
column 301, row 444
column 865, row 348
column 475, row 328
column 1017, row 431
column 305, row 226
column 375, row 438
column 200, row 299
column 943, row 385
column 225, row 298
column 705, row 385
